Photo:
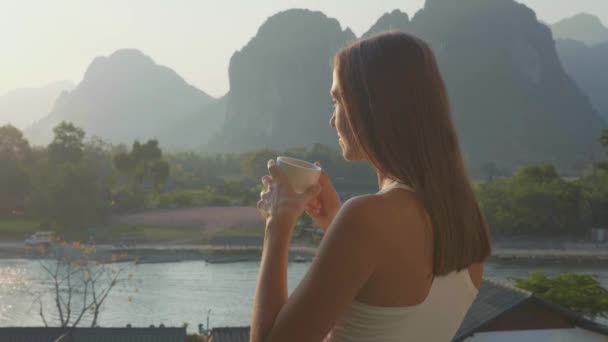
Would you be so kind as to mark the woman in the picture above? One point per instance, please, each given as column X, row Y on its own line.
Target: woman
column 404, row 264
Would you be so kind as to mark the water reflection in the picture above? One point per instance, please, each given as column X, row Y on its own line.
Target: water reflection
column 177, row 293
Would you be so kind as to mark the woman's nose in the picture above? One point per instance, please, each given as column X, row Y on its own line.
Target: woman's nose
column 332, row 121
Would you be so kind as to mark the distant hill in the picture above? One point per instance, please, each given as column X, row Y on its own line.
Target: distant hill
column 395, row 20
column 583, row 27
column 279, row 84
column 588, row 66
column 512, row 101
column 123, row 97
column 22, row 107
column 193, row 133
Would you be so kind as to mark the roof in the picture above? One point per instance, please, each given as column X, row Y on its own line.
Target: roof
column 230, row 334
column 41, row 334
column 495, row 299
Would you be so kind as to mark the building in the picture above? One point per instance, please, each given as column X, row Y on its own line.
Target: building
column 92, row 334
column 230, row 334
column 504, row 313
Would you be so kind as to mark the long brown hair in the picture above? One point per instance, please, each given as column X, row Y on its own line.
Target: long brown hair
column 396, row 104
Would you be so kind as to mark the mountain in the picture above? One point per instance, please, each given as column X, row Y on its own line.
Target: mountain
column 588, row 66
column 279, row 84
column 583, row 27
column 195, row 131
column 125, row 96
column 395, row 20
column 512, row 102
column 21, row 107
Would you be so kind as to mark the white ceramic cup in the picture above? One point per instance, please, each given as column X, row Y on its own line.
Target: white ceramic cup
column 301, row 174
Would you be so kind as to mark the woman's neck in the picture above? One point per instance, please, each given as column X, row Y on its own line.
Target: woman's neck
column 383, row 181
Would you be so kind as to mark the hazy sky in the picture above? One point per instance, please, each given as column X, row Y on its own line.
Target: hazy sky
column 43, row 41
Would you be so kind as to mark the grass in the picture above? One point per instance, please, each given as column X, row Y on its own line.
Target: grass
column 12, row 228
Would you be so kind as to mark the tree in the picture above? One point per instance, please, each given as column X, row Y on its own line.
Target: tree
column 254, row 163
column 581, row 293
column 13, row 146
column 143, row 163
column 536, row 201
column 80, row 283
column 603, row 165
column 595, row 195
column 75, row 196
column 68, row 143
column 542, row 173
column 14, row 180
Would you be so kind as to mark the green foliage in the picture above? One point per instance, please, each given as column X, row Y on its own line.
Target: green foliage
column 580, row 293
column 143, row 163
column 14, row 180
column 536, row 201
column 14, row 183
column 68, row 143
column 543, row 173
column 604, row 137
column 75, row 197
column 13, row 145
column 254, row 163
column 595, row 190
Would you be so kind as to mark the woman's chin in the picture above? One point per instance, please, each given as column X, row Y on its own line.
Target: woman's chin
column 346, row 155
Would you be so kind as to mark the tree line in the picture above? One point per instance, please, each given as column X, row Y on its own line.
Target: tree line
column 78, row 180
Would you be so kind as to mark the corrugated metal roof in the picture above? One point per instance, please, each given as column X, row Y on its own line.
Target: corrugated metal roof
column 230, row 334
column 493, row 299
column 40, row 334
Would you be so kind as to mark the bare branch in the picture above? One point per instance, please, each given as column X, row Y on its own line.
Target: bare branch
column 58, row 297
column 70, row 290
column 42, row 314
column 99, row 303
column 85, row 307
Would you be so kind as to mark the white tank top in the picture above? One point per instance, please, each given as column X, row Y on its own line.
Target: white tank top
column 436, row 319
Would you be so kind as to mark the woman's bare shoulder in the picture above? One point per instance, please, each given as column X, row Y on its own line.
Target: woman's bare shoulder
column 383, row 215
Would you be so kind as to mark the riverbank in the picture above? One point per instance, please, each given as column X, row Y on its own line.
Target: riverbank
column 164, row 253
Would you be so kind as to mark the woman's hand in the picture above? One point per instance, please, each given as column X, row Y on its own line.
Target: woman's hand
column 324, row 207
column 278, row 201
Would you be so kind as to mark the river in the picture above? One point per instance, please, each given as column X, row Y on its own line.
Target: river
column 183, row 292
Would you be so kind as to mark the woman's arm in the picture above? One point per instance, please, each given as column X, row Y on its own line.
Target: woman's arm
column 345, row 260
column 271, row 290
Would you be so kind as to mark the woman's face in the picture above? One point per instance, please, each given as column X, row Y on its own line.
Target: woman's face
column 338, row 121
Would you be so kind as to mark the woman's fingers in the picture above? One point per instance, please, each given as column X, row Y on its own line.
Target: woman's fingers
column 276, row 172
column 267, row 181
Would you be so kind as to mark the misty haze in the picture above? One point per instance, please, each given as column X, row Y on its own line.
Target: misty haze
column 134, row 136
